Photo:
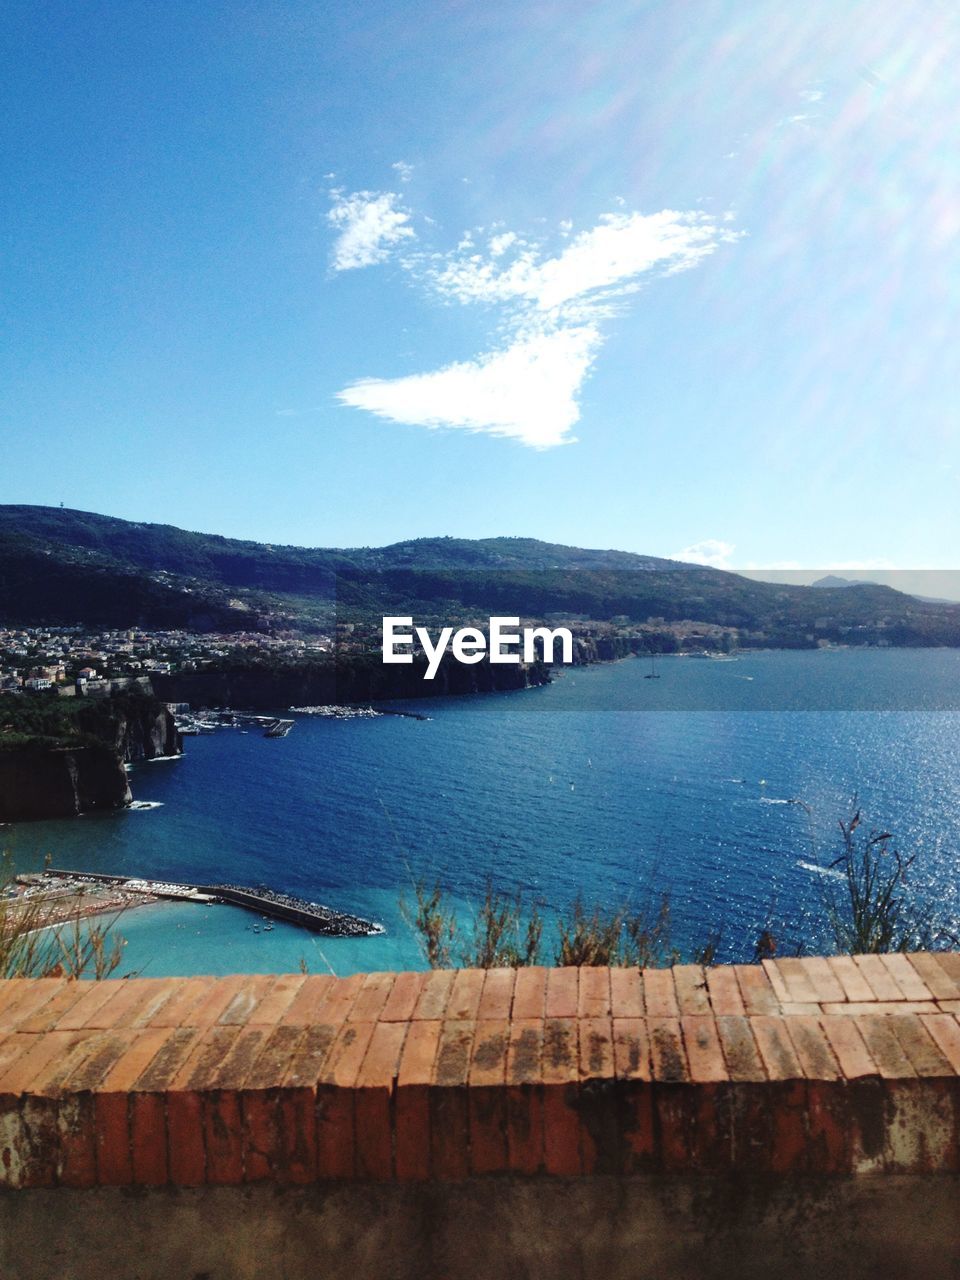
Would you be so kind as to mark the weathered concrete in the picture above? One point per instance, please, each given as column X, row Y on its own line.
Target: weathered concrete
column 638, row 1228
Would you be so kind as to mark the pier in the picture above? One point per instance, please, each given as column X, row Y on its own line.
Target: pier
column 265, row 902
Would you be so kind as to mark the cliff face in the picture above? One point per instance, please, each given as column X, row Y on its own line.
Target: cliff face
column 144, row 729
column 360, row 682
column 60, row 782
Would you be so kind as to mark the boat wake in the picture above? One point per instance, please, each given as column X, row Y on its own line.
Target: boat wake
column 145, row 804
column 821, row 871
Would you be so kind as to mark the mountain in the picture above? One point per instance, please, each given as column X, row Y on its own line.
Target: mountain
column 65, row 566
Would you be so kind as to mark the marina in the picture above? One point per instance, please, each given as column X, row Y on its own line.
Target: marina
column 267, row 903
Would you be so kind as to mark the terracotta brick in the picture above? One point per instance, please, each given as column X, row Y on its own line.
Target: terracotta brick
column 465, row 996
column 112, row 1129
column 336, row 1138
column 403, row 998
column 906, row 977
column 724, row 992
column 786, row 1103
column 777, row 983
column 822, row 978
column 704, row 1052
column 310, row 1054
column 260, row 1111
column 273, row 1062
column 496, row 1001
column 50, row 1079
column 884, row 1047
column 146, row 1010
column 529, row 993
column 199, row 1070
column 776, row 1048
column 34, row 994
column 39, row 1147
column 373, row 1101
column 49, row 1013
column 525, row 1094
column 561, row 1073
column 812, row 1048
column 449, row 1103
column 594, row 997
column 946, row 1032
column 186, row 1151
column 667, row 1052
column 11, row 989
column 659, row 994
column 940, row 985
column 237, row 1062
column 743, row 1059
column 275, row 1003
column 163, row 1070
column 563, row 992
column 132, row 996
column 135, row 1058
column 371, row 997
column 223, row 1137
column 849, row 1048
column 299, row 1160
column 176, row 1011
column 634, row 1093
column 412, row 1106
column 920, row 1048
column 22, row 1070
column 599, row 1134
column 879, row 1007
column 12, row 1046
column 756, row 990
column 854, row 984
column 690, row 984
column 211, row 1005
column 94, row 996
column 947, row 1006
column 243, row 1003
column 76, row 1141
column 434, row 995
column 878, row 978
column 487, row 1096
column 305, row 1007
column 833, row 1125
column 148, row 1139
column 626, row 993
column 795, row 979
column 949, row 962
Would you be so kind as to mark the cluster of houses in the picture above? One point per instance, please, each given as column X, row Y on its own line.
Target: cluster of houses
column 72, row 660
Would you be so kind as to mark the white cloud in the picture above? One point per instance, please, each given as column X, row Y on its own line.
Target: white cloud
column 711, row 551
column 608, row 258
column 370, row 224
column 526, row 391
column 403, row 170
column 550, row 308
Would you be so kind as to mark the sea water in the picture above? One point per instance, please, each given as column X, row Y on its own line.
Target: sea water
column 719, row 784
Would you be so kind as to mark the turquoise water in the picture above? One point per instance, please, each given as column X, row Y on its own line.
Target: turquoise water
column 603, row 782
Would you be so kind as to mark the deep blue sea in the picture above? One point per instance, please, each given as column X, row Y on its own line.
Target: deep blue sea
column 603, row 783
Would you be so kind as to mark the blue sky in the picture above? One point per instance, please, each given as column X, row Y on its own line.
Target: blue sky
column 668, row 277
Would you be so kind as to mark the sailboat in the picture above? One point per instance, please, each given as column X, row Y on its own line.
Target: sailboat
column 653, row 673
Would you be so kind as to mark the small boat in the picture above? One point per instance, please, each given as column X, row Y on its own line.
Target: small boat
column 653, row 673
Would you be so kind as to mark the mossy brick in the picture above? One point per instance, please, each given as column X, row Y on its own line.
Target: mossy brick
column 525, row 1095
column 435, row 992
column 373, row 1101
column 277, row 1000
column 813, row 1048
column 703, row 1048
column 849, row 1048
column 945, row 1030
column 740, row 1051
column 487, row 1098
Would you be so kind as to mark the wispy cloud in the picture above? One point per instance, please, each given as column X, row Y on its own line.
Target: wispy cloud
column 370, row 224
column 403, row 170
column 549, row 307
column 717, row 554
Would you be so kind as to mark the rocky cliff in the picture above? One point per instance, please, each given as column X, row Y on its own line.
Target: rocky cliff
column 360, row 681
column 60, row 782
column 143, row 729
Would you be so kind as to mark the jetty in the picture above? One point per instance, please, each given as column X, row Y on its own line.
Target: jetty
column 266, row 902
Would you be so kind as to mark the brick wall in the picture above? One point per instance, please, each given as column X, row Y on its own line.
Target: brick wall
column 804, row 1067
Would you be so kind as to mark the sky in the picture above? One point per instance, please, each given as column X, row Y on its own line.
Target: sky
column 675, row 278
